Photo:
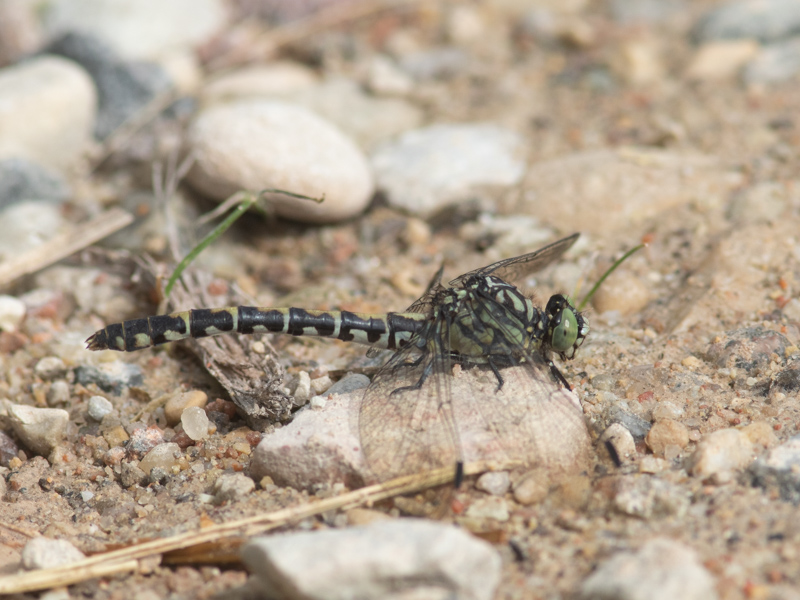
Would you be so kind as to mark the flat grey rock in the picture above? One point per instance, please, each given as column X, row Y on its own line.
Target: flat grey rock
column 662, row 569
column 386, row 559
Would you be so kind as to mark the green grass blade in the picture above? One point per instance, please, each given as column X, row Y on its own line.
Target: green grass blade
column 611, row 269
column 249, row 200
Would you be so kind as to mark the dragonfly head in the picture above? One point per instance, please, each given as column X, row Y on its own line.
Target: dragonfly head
column 566, row 327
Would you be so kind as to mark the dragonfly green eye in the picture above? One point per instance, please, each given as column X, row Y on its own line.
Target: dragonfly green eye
column 565, row 334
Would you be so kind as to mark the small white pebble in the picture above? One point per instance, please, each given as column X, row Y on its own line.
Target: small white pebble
column 495, row 483
column 12, row 311
column 321, row 384
column 318, row 402
column 50, row 367
column 195, row 423
column 99, row 407
column 302, row 391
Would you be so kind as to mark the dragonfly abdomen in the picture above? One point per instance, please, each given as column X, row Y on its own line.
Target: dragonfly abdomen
column 389, row 330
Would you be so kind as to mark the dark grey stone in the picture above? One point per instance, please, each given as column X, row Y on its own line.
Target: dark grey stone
column 123, row 87
column 22, row 180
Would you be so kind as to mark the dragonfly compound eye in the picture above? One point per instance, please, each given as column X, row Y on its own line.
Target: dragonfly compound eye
column 565, row 332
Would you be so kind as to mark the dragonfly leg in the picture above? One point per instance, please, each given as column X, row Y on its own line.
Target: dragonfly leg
column 557, row 374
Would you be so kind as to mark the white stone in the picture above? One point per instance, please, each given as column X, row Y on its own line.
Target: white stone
column 40, row 429
column 48, row 106
column 496, row 483
column 232, row 486
column 139, row 29
column 48, row 367
column 258, row 144
column 489, row 507
column 368, row 120
column 302, row 391
column 661, row 569
column 195, row 423
column 28, row 224
column 12, row 312
column 99, row 407
column 721, row 454
column 621, row 440
column 427, row 169
column 47, row 553
column 385, row 559
column 163, row 456
column 721, row 59
column 272, row 80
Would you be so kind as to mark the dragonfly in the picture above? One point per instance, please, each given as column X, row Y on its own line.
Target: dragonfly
column 410, row 417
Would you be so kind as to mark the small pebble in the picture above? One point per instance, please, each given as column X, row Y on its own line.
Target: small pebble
column 260, row 144
column 302, row 390
column 633, row 423
column 99, row 407
column 321, row 384
column 349, row 383
column 40, row 429
column 318, row 402
column 8, row 449
column 158, row 475
column 652, row 464
column 47, row 553
column 496, row 483
column 775, row 63
column 364, row 516
column 489, row 507
column 195, row 423
column 721, row 60
column 176, row 404
column 647, row 497
column 622, row 442
column 12, row 312
column 131, row 475
column 532, row 487
column 721, row 454
column 667, row 433
column 163, row 456
column 232, row 486
column 114, row 456
column 46, row 85
column 426, row 169
column 667, row 410
column 22, row 180
column 144, row 439
column 662, row 569
column 50, row 367
column 59, row 393
column 116, row 436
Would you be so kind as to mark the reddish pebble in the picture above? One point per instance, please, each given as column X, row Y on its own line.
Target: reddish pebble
column 646, row 396
column 253, row 438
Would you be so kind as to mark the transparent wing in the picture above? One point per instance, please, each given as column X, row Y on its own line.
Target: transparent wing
column 515, row 269
column 405, row 429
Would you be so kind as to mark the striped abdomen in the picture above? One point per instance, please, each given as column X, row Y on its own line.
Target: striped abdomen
column 389, row 330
